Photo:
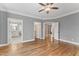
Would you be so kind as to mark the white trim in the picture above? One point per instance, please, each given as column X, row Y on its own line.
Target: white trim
column 69, row 13
column 69, row 42
column 27, row 41
column 16, row 43
column 14, row 12
column 33, row 40
column 3, row 45
column 38, row 30
column 41, row 38
column 24, row 41
column 18, row 13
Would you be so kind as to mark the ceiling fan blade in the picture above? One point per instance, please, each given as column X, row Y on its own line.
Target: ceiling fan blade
column 41, row 10
column 42, row 4
column 54, row 8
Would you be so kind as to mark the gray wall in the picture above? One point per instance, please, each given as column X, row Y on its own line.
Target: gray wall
column 27, row 29
column 69, row 27
column 3, row 27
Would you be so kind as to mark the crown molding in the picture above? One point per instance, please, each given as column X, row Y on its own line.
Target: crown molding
column 18, row 13
column 70, row 13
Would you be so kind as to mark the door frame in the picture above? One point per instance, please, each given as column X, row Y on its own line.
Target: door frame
column 51, row 28
column 39, row 36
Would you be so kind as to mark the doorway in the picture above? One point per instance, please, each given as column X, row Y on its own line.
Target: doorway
column 15, row 30
column 37, row 31
column 50, row 32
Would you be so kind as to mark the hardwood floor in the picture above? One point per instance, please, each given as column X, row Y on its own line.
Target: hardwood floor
column 40, row 48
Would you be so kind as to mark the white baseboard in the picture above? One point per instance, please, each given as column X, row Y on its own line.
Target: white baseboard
column 27, row 40
column 3, row 45
column 69, row 42
column 33, row 40
column 16, row 43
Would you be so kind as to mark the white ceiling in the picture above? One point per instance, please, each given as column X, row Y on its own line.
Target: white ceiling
column 31, row 9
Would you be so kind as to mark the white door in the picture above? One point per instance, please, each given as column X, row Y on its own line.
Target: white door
column 15, row 30
column 37, row 30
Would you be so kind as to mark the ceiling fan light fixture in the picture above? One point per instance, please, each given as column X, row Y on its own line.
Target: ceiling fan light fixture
column 47, row 9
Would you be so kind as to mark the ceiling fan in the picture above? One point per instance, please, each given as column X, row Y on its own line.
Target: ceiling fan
column 47, row 7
